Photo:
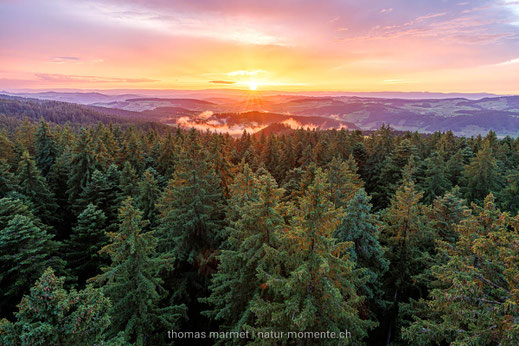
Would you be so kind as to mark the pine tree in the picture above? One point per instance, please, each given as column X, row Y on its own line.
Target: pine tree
column 481, row 175
column 436, row 181
column 191, row 206
column 50, row 315
column 132, row 280
column 33, row 186
column 320, row 293
column 477, row 301
column 87, row 238
column 361, row 227
column 46, row 151
column 82, row 166
column 343, row 180
column 148, row 196
column 253, row 258
column 410, row 247
column 26, row 249
column 7, row 179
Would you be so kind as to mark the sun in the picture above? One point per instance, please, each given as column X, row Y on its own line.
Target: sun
column 253, row 85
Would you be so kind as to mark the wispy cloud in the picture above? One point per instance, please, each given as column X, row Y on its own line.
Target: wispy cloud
column 62, row 78
column 221, row 82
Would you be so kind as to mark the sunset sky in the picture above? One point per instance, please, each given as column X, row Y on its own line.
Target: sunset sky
column 404, row 45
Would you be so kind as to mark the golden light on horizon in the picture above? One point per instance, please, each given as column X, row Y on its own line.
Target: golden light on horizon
column 253, row 85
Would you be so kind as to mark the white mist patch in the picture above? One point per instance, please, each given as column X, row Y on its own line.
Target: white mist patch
column 294, row 124
column 208, row 121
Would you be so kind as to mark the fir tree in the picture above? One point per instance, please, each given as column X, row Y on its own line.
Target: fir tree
column 33, row 186
column 361, row 227
column 148, row 196
column 25, row 251
column 477, row 301
column 481, row 175
column 252, row 260
column 82, row 166
column 436, row 181
column 50, row 315
column 320, row 293
column 132, row 280
column 46, row 151
column 87, row 238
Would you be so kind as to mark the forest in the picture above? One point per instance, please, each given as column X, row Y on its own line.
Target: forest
column 113, row 234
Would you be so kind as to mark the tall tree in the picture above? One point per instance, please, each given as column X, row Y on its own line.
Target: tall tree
column 481, row 175
column 33, row 186
column 321, row 291
column 46, row 151
column 26, row 249
column 477, row 301
column 82, row 166
column 436, row 181
column 132, row 280
column 148, row 195
column 50, row 315
column 252, row 260
column 86, row 240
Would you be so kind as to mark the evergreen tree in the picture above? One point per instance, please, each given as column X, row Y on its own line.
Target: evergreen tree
column 50, row 315
column 477, row 301
column 445, row 214
column 7, row 179
column 320, row 293
column 361, row 227
column 410, row 246
column 128, row 181
column 509, row 196
column 481, row 175
column 46, row 151
column 436, row 181
column 33, row 186
column 132, row 281
column 26, row 250
column 87, row 238
column 343, row 180
column 252, row 260
column 82, row 166
column 148, row 196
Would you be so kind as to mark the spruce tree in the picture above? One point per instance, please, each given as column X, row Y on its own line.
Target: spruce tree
column 7, row 179
column 252, row 260
column 436, row 181
column 26, row 249
column 361, row 227
column 46, row 151
column 344, row 180
column 87, row 238
column 32, row 185
column 82, row 166
column 477, row 301
column 148, row 195
column 321, row 291
column 481, row 175
column 132, row 281
column 50, row 315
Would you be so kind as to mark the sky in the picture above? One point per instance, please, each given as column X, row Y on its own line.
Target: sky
column 292, row 45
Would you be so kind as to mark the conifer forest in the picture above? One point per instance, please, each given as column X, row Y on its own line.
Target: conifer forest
column 121, row 234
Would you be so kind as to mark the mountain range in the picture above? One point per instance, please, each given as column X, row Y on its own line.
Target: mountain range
column 236, row 111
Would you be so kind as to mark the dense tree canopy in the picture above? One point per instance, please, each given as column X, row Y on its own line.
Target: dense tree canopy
column 151, row 230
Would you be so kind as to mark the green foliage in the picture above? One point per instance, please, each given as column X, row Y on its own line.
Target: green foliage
column 87, row 238
column 477, row 301
column 132, row 280
column 240, row 290
column 51, row 315
column 46, row 151
column 481, row 175
column 33, row 186
column 148, row 195
column 26, row 249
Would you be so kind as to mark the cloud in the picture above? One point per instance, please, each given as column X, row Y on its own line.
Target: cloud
column 206, row 121
column 221, row 82
column 62, row 78
column 294, row 124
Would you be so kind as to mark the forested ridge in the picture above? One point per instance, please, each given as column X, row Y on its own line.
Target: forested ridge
column 115, row 235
